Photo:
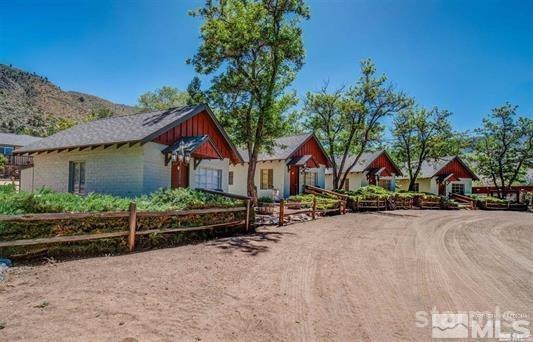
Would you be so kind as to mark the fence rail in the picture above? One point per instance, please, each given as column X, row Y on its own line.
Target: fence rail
column 313, row 210
column 132, row 231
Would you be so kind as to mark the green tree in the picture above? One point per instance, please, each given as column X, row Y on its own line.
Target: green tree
column 3, row 161
column 348, row 121
column 195, row 92
column 100, row 113
column 505, row 148
column 420, row 135
column 253, row 49
column 163, row 98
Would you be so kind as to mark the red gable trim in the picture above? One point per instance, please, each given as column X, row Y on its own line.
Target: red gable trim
column 311, row 146
column 458, row 168
column 383, row 160
column 201, row 123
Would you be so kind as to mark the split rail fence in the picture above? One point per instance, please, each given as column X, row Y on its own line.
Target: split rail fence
column 313, row 211
column 132, row 214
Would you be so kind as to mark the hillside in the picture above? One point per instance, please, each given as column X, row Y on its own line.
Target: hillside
column 30, row 103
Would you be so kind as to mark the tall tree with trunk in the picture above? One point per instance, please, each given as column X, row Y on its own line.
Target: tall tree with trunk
column 504, row 150
column 422, row 134
column 254, row 49
column 349, row 121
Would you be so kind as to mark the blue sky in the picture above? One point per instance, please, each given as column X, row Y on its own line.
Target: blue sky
column 465, row 56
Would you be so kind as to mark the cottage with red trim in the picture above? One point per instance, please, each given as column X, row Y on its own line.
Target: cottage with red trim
column 293, row 162
column 442, row 176
column 372, row 168
column 134, row 154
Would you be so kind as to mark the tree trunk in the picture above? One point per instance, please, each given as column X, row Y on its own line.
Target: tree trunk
column 250, row 181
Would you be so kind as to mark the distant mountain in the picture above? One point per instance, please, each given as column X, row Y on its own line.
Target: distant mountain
column 30, row 103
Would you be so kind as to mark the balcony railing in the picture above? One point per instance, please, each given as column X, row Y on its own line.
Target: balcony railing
column 24, row 161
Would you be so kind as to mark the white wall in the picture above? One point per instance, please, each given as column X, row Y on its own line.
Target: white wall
column 110, row 171
column 156, row 174
column 280, row 178
column 356, row 180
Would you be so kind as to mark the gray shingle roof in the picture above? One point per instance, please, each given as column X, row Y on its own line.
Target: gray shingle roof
column 431, row 167
column 17, row 140
column 362, row 163
column 117, row 129
column 127, row 128
column 283, row 147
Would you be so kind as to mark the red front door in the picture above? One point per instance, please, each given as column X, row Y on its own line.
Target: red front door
column 442, row 189
column 179, row 176
column 294, row 180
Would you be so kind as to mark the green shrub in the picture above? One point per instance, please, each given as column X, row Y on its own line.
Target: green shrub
column 322, row 202
column 7, row 188
column 47, row 201
column 489, row 199
column 265, row 199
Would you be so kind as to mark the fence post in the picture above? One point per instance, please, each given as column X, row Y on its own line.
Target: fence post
column 281, row 212
column 247, row 214
column 313, row 213
column 133, row 226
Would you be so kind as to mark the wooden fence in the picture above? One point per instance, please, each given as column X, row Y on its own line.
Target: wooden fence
column 312, row 210
column 132, row 229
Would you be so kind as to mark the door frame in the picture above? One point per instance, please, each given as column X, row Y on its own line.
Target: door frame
column 179, row 175
column 294, row 180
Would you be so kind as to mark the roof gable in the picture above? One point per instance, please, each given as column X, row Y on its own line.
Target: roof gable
column 370, row 160
column 457, row 167
column 141, row 127
column 288, row 147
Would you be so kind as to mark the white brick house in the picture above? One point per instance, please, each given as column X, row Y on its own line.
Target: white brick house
column 294, row 161
column 442, row 176
column 134, row 154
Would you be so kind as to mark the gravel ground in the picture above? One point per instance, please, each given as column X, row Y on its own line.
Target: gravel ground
column 352, row 277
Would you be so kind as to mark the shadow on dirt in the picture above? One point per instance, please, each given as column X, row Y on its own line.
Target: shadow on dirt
column 249, row 244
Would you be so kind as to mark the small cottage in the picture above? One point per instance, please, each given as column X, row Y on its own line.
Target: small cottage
column 372, row 168
column 442, row 176
column 293, row 162
column 134, row 154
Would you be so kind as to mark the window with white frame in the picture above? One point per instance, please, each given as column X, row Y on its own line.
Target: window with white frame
column 311, row 178
column 458, row 188
column 206, row 178
column 77, row 177
column 417, row 187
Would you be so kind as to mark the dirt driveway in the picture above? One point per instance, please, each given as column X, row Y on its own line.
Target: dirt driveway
column 352, row 277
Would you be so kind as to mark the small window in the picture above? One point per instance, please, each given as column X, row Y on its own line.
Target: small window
column 208, row 178
column 6, row 150
column 384, row 183
column 230, row 178
column 77, row 177
column 458, row 188
column 311, row 178
column 417, row 187
column 267, row 179
column 347, row 184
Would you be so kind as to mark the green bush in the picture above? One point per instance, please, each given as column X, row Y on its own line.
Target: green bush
column 265, row 199
column 489, row 199
column 47, row 201
column 7, row 188
column 322, row 202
